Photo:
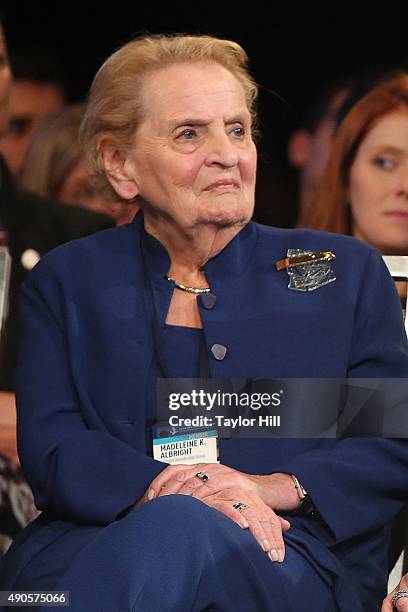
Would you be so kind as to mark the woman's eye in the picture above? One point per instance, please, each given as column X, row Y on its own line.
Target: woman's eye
column 187, row 135
column 385, row 163
column 239, row 132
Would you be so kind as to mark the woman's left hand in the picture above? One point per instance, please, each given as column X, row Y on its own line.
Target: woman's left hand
column 402, row 603
column 264, row 524
column 276, row 490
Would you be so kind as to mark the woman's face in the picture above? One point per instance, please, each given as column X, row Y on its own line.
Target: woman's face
column 77, row 189
column 194, row 160
column 378, row 188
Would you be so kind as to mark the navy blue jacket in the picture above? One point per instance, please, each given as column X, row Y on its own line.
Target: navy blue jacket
column 85, row 363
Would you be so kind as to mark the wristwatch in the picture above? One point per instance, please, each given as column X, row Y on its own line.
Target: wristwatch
column 305, row 507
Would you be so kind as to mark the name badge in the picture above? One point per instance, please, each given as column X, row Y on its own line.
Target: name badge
column 193, row 447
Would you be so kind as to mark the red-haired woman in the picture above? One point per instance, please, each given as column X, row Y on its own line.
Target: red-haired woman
column 364, row 190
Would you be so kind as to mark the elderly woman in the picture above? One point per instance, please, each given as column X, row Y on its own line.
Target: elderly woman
column 190, row 289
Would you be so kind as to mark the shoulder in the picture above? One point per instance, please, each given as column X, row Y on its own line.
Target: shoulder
column 349, row 252
column 43, row 224
column 356, row 266
column 86, row 259
column 309, row 239
column 72, row 221
column 79, row 222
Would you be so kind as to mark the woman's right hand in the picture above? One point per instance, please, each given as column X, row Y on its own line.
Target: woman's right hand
column 266, row 526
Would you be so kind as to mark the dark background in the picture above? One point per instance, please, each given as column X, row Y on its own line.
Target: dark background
column 294, row 47
column 293, row 51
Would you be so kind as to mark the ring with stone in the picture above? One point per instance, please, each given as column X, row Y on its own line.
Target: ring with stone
column 202, row 476
column 240, row 506
column 399, row 595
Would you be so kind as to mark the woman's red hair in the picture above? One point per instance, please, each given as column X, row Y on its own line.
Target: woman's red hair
column 331, row 211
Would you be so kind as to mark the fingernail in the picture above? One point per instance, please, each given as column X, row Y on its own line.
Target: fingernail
column 266, row 544
column 273, row 555
column 244, row 524
column 150, row 494
column 281, row 555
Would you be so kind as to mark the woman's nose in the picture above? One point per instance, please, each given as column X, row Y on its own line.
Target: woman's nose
column 221, row 151
column 402, row 185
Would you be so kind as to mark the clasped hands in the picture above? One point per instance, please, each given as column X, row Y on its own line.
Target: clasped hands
column 262, row 495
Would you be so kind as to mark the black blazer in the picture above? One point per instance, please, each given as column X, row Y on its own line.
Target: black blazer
column 33, row 222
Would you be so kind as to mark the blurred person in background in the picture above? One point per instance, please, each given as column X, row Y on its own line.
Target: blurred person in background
column 56, row 167
column 37, row 89
column 30, row 226
column 309, row 146
column 364, row 190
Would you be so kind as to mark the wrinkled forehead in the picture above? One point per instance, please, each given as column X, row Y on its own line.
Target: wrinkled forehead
column 196, row 88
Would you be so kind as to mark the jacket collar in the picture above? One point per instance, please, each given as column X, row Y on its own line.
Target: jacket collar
column 229, row 263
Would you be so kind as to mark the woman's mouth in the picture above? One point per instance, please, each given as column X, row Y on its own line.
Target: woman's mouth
column 223, row 185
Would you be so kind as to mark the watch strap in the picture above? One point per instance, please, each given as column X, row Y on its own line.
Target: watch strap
column 305, row 507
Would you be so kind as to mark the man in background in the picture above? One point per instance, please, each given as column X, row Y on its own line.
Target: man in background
column 37, row 89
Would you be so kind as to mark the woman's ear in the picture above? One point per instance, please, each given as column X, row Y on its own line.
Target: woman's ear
column 299, row 148
column 116, row 165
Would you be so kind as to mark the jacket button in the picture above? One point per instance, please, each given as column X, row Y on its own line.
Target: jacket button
column 218, row 351
column 208, row 300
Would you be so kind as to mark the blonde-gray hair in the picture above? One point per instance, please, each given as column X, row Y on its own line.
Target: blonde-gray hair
column 115, row 103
